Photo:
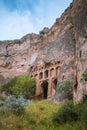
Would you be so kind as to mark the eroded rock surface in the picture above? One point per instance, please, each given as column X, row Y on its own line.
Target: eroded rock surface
column 65, row 43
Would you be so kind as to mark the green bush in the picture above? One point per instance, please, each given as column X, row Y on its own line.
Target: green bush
column 70, row 113
column 84, row 115
column 42, row 32
column 14, row 105
column 82, row 111
column 66, row 113
column 65, row 87
column 84, row 76
column 8, row 86
column 20, row 85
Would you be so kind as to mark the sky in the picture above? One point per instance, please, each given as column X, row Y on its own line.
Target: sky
column 20, row 17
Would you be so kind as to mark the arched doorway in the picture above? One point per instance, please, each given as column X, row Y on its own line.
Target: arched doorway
column 46, row 74
column 41, row 75
column 55, row 83
column 44, row 86
column 52, row 72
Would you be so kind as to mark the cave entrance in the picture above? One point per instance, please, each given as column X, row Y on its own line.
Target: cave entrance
column 44, row 86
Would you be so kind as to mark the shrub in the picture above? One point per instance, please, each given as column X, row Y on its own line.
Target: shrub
column 42, row 32
column 66, row 113
column 65, row 87
column 84, row 76
column 7, row 87
column 20, row 85
column 29, row 87
column 82, row 111
column 70, row 113
column 16, row 105
column 84, row 115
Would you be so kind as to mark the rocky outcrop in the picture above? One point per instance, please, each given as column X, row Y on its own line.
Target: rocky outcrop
column 17, row 56
column 65, row 42
column 79, row 19
column 68, row 47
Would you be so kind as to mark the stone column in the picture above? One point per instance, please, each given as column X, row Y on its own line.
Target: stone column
column 55, row 71
column 49, row 89
column 53, row 89
column 37, row 86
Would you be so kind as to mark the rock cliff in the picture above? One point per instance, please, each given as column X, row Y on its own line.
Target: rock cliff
column 18, row 55
column 65, row 41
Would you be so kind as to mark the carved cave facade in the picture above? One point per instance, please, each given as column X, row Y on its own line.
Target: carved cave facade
column 46, row 75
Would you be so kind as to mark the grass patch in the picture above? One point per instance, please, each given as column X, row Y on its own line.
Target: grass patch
column 37, row 116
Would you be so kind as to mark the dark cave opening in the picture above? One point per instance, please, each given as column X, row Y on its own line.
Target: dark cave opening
column 44, row 89
column 55, row 84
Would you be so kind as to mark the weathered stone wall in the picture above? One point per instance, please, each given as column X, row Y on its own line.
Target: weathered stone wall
column 17, row 56
column 62, row 50
column 79, row 19
column 65, row 42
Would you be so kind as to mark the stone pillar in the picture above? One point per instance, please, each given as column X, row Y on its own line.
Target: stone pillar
column 53, row 89
column 55, row 71
column 43, row 74
column 49, row 89
column 38, row 86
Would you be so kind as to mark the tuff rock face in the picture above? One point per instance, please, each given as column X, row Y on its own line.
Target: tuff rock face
column 65, row 42
column 79, row 19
